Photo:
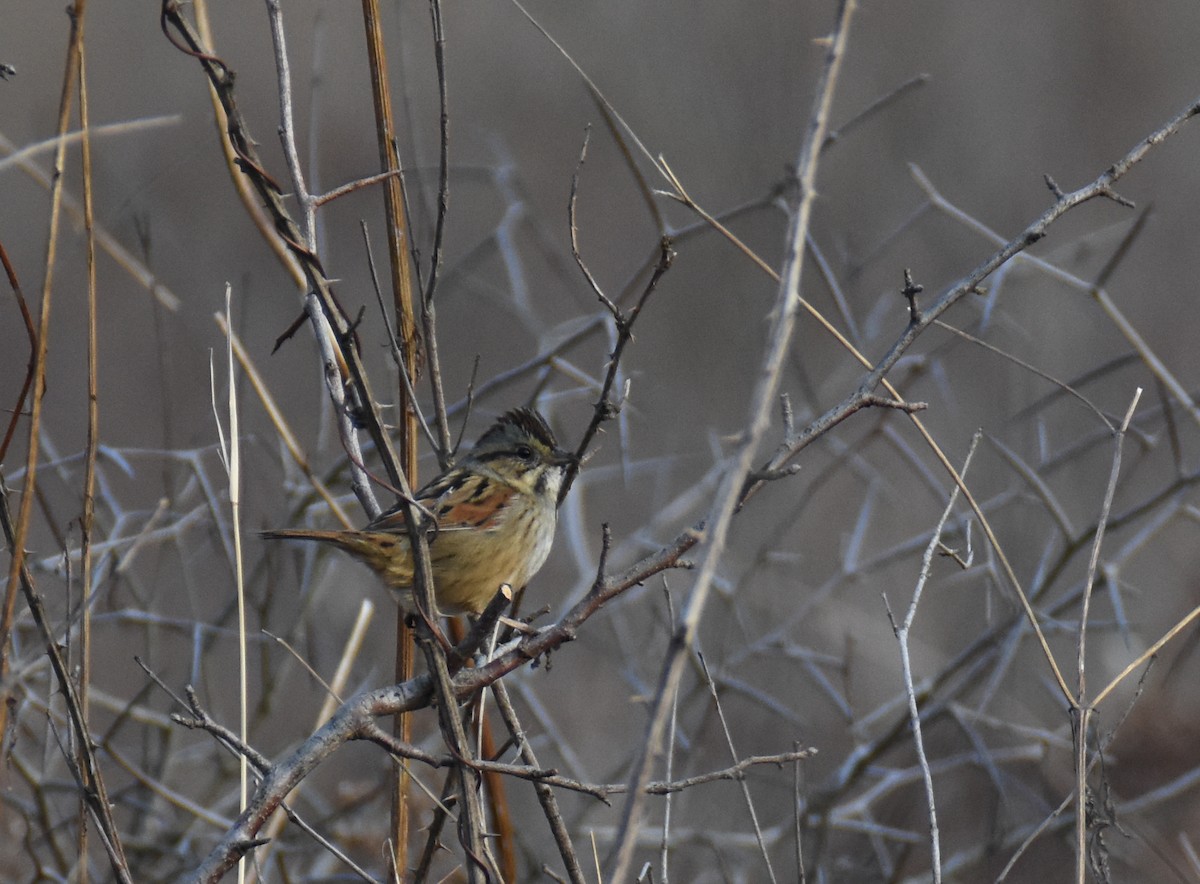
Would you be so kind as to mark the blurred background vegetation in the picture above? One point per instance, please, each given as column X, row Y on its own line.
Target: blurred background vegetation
column 797, row 639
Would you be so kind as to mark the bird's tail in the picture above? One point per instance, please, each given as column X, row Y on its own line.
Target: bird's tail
column 334, row 537
column 386, row 554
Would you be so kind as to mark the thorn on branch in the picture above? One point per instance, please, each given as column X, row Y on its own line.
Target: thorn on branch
column 950, row 553
column 666, row 255
column 602, row 564
column 887, row 605
column 289, row 332
column 1111, row 194
column 910, row 291
column 872, row 399
column 607, row 408
column 247, row 844
column 770, row 475
column 789, row 419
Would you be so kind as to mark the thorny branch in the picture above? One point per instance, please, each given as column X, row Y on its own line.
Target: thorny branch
column 777, row 466
column 606, row 408
column 417, row 692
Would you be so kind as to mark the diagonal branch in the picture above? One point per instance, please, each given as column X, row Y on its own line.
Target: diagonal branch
column 729, row 492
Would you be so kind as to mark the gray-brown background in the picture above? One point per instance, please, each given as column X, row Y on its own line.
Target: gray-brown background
column 798, row 636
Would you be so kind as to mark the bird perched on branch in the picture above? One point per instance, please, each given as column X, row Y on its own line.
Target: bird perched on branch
column 494, row 514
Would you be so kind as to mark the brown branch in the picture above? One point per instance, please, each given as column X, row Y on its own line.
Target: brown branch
column 92, row 442
column 399, row 241
column 14, row 283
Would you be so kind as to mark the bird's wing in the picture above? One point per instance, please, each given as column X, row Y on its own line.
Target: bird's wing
column 477, row 502
column 466, row 502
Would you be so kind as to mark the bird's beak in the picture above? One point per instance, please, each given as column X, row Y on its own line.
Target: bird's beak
column 560, row 457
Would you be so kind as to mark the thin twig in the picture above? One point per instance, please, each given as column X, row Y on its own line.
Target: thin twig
column 903, row 630
column 91, row 445
column 545, row 794
column 712, row 690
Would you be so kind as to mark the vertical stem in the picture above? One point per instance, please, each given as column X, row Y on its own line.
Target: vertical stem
column 25, row 512
column 93, row 439
column 1083, row 721
column 1081, row 707
column 402, row 293
column 501, row 820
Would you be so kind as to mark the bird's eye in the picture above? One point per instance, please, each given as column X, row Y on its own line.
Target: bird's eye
column 524, row 452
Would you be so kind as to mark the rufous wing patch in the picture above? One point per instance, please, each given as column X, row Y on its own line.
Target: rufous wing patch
column 473, row 505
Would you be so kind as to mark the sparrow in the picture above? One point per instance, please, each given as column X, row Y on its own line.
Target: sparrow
column 494, row 514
